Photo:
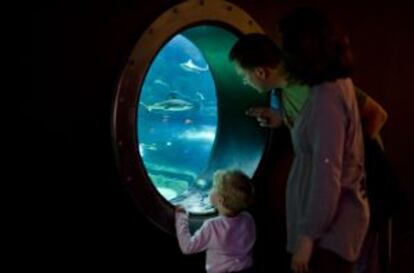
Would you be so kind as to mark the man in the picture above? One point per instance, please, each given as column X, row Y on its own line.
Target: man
column 266, row 74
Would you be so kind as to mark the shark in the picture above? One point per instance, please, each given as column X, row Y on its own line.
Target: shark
column 189, row 66
column 171, row 105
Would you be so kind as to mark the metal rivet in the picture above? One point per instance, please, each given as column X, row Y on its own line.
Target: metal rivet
column 175, row 10
column 229, row 8
column 250, row 22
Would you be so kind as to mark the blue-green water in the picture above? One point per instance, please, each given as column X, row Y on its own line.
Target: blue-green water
column 177, row 121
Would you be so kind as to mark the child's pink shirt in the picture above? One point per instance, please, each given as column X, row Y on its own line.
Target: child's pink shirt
column 228, row 241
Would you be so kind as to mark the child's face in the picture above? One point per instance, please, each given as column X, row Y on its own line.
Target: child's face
column 214, row 197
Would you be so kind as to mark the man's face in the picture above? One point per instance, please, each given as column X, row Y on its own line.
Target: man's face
column 252, row 78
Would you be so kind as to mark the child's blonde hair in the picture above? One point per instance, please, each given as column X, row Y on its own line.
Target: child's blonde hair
column 235, row 188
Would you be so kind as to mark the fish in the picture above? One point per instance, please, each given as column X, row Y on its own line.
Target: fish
column 171, row 105
column 162, row 83
column 151, row 147
column 175, row 94
column 188, row 121
column 144, row 146
column 189, row 66
column 200, row 96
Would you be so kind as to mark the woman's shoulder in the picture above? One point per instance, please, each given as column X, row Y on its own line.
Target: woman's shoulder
column 338, row 89
column 337, row 85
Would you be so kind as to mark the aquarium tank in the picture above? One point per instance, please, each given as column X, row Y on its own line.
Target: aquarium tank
column 177, row 123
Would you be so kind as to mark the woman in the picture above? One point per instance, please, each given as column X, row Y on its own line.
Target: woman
column 327, row 209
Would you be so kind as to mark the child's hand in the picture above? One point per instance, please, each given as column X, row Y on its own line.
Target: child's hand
column 180, row 209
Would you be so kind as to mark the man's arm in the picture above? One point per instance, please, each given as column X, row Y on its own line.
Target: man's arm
column 266, row 116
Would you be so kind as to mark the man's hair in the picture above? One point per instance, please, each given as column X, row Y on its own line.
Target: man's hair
column 255, row 49
column 315, row 49
column 235, row 188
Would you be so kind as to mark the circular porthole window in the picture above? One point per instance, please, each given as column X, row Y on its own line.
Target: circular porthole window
column 179, row 111
column 177, row 123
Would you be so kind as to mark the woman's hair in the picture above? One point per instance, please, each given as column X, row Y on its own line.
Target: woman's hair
column 315, row 49
column 255, row 49
column 235, row 188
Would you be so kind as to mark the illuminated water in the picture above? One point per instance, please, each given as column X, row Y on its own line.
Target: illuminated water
column 177, row 120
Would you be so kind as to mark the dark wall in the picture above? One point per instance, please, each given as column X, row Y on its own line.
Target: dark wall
column 78, row 51
column 88, row 217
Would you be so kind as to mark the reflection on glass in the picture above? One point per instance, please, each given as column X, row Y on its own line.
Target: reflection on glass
column 177, row 121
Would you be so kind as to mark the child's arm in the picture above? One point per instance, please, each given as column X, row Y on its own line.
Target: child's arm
column 190, row 244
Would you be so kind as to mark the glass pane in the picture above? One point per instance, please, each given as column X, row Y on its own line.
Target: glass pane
column 177, row 121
